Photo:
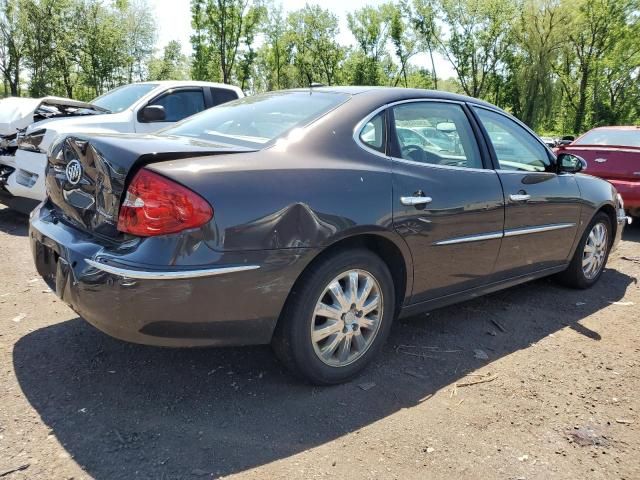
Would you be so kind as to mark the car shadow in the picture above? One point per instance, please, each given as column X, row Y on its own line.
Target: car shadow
column 13, row 222
column 125, row 411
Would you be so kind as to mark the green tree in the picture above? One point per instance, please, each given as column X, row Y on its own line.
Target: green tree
column 402, row 36
column 539, row 35
column 478, row 40
column 11, row 46
column 316, row 53
column 275, row 55
column 595, row 29
column 371, row 31
column 617, row 100
column 139, row 35
column 425, row 17
column 172, row 65
column 224, row 31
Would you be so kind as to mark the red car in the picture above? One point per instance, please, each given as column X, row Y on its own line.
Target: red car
column 612, row 153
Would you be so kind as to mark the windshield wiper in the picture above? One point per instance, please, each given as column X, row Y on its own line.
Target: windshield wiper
column 101, row 109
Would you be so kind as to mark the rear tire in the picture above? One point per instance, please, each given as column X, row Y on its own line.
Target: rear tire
column 591, row 254
column 337, row 317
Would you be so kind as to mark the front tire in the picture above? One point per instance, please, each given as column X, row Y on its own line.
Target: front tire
column 337, row 318
column 591, row 255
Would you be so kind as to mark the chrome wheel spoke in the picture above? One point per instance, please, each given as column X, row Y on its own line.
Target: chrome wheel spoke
column 601, row 234
column 370, row 306
column 335, row 290
column 345, row 349
column 353, row 287
column 326, row 329
column 328, row 311
column 330, row 348
column 368, row 323
column 364, row 293
column 358, row 341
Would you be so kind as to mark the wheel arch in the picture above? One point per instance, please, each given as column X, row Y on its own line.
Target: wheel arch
column 387, row 245
column 610, row 211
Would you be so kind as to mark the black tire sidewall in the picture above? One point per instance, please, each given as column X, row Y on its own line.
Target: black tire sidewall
column 300, row 315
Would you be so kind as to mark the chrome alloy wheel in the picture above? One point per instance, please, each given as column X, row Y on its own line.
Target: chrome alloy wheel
column 595, row 251
column 347, row 318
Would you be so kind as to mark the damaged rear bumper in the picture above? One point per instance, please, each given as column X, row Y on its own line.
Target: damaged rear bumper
column 235, row 300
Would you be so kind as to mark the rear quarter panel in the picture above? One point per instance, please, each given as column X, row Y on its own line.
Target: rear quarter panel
column 308, row 191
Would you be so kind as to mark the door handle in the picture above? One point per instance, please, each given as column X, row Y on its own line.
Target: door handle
column 519, row 197
column 413, row 201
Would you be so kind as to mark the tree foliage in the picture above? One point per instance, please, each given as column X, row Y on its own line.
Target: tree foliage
column 172, row 65
column 73, row 48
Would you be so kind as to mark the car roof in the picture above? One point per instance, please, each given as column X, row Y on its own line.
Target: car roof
column 397, row 93
column 618, row 127
column 190, row 83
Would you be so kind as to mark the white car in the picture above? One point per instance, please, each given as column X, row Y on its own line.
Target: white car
column 28, row 126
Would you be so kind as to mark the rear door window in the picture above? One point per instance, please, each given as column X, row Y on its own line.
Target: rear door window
column 456, row 145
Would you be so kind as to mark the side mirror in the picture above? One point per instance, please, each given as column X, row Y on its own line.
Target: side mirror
column 152, row 113
column 569, row 138
column 565, row 142
column 569, row 163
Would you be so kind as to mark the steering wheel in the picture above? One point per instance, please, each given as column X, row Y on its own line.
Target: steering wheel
column 413, row 152
column 418, row 154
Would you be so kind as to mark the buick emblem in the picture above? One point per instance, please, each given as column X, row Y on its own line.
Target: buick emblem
column 74, row 172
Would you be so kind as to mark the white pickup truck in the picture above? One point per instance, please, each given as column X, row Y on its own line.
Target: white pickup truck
column 28, row 126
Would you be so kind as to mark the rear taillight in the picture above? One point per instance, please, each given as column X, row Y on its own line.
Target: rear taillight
column 155, row 205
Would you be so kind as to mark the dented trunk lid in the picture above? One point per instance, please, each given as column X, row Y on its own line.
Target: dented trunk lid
column 87, row 176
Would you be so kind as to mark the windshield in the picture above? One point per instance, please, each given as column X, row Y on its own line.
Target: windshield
column 121, row 98
column 259, row 119
column 629, row 138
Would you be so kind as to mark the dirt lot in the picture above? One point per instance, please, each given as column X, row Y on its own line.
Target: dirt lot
column 557, row 375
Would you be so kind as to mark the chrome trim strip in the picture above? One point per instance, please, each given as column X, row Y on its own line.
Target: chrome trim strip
column 544, row 228
column 445, row 167
column 507, row 233
column 471, row 238
column 168, row 275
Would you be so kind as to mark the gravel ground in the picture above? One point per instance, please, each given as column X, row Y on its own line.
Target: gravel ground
column 535, row 382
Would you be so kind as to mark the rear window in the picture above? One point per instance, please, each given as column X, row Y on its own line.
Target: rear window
column 222, row 95
column 629, row 138
column 258, row 120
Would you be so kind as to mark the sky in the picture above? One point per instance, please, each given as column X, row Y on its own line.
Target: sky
column 174, row 23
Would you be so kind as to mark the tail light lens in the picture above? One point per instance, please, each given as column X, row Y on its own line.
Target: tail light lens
column 155, row 205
